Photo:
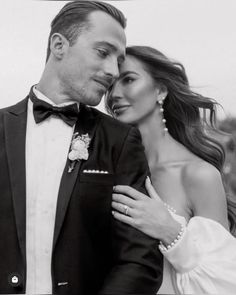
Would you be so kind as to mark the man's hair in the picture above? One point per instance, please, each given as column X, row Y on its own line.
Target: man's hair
column 73, row 18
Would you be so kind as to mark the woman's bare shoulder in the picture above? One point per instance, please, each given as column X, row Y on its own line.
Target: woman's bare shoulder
column 200, row 172
column 204, row 189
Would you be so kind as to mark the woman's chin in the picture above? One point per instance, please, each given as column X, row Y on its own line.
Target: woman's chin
column 125, row 119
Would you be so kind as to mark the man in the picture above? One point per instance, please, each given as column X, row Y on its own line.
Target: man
column 59, row 161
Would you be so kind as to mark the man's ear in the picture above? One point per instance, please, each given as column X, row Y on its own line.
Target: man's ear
column 58, row 45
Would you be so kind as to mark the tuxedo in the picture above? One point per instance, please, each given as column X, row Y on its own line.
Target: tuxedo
column 92, row 252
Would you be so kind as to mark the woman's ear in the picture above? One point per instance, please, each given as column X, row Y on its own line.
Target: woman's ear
column 161, row 93
column 58, row 45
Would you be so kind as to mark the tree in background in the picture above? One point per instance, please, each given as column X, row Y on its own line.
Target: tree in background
column 228, row 139
column 228, row 126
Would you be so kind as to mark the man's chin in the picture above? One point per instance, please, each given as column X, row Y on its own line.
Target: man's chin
column 93, row 102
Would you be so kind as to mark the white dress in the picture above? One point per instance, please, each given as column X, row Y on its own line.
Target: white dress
column 203, row 261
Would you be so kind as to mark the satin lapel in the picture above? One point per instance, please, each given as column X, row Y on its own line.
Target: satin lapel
column 15, row 134
column 87, row 123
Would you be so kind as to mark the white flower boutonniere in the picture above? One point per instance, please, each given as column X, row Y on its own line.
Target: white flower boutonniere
column 78, row 149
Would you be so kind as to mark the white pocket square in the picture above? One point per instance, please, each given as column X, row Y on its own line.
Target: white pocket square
column 95, row 171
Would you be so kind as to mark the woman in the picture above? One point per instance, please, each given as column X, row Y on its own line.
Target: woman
column 153, row 93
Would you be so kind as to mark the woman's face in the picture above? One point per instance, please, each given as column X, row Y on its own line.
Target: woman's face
column 134, row 94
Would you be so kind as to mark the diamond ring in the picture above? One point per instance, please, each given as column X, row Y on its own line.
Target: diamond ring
column 126, row 208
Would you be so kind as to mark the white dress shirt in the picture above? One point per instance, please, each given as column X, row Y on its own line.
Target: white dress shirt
column 47, row 147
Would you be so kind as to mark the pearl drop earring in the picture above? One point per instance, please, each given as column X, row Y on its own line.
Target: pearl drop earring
column 162, row 111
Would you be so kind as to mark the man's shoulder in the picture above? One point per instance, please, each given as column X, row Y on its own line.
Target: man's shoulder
column 5, row 109
column 110, row 123
column 19, row 106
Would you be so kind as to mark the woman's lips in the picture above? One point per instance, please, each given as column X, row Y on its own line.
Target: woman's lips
column 118, row 109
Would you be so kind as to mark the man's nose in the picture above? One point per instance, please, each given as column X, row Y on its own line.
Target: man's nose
column 112, row 69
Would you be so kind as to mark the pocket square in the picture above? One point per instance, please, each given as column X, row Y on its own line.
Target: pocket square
column 95, row 171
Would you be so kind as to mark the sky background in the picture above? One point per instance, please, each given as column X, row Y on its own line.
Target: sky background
column 201, row 34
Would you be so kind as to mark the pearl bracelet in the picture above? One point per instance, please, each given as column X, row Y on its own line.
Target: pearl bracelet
column 169, row 208
column 164, row 248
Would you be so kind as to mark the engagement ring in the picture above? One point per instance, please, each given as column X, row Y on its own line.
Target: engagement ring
column 126, row 208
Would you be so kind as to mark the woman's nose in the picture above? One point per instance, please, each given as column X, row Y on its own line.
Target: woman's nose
column 116, row 91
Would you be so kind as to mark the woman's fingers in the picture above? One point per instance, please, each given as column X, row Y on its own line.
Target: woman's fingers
column 150, row 189
column 123, row 218
column 136, row 195
column 122, row 209
column 119, row 198
column 129, row 191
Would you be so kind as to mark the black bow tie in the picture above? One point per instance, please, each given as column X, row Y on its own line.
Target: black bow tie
column 42, row 110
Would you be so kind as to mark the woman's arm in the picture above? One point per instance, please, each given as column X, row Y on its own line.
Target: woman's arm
column 203, row 258
column 204, row 189
column 148, row 215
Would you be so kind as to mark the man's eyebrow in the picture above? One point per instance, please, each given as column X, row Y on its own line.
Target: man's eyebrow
column 108, row 44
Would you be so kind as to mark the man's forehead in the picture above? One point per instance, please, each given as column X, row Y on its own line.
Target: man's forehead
column 105, row 30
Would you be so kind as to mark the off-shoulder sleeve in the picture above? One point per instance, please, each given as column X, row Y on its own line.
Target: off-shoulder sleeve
column 204, row 259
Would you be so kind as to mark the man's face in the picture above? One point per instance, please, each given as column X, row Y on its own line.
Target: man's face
column 90, row 66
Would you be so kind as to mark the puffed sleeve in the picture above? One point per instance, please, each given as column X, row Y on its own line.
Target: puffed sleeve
column 204, row 259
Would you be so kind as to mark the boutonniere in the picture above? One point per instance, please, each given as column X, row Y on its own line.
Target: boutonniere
column 78, row 149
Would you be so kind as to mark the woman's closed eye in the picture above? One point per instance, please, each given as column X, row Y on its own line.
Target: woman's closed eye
column 128, row 80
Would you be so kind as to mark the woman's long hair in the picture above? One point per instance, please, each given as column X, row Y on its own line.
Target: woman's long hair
column 232, row 215
column 190, row 117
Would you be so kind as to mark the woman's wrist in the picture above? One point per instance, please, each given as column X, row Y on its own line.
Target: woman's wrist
column 172, row 236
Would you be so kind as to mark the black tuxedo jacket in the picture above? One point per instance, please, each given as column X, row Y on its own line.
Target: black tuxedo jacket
column 92, row 253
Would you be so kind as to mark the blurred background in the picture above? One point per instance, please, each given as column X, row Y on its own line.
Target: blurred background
column 198, row 33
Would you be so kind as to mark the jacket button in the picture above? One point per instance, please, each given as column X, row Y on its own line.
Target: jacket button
column 15, row 280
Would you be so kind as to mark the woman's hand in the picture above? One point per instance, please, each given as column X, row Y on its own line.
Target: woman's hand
column 148, row 215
